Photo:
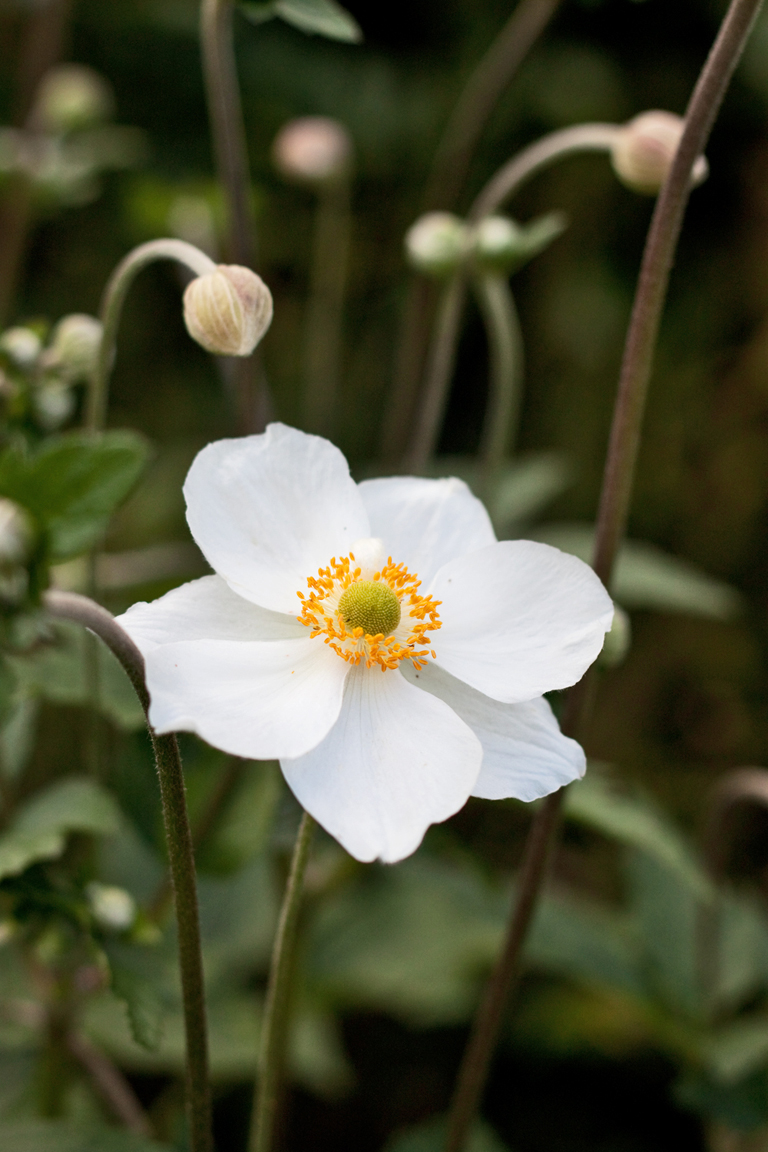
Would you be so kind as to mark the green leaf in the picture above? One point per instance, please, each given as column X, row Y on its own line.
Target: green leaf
column 320, row 17
column 143, row 1005
column 736, row 1050
column 72, row 484
column 40, row 829
column 600, row 803
column 67, row 1136
column 647, row 577
column 57, row 672
column 523, row 487
column 742, row 1106
column 430, row 1137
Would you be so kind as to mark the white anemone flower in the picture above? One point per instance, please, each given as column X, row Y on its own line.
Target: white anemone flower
column 375, row 638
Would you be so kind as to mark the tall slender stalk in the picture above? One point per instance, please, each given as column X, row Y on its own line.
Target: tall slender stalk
column 505, row 341
column 82, row 610
column 508, row 180
column 112, row 306
column 276, row 1013
column 225, row 114
column 474, row 106
column 614, row 503
column 325, row 308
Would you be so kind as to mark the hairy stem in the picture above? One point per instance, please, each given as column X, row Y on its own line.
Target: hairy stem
column 326, row 305
column 505, row 341
column 112, row 306
column 617, row 484
column 276, row 1013
column 82, row 610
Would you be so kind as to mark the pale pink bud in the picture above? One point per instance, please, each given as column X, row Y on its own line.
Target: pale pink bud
column 228, row 310
column 644, row 150
column 312, row 149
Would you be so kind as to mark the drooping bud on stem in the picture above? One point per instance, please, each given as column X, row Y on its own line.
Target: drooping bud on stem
column 644, row 149
column 313, row 150
column 228, row 310
column 437, row 243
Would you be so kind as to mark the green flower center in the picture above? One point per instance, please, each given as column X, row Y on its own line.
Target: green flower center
column 370, row 605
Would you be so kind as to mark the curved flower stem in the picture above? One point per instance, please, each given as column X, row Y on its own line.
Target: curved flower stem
column 276, row 1013
column 112, row 305
column 617, row 485
column 82, row 610
column 505, row 341
column 480, row 96
column 544, row 152
column 326, row 305
column 442, row 355
column 440, row 362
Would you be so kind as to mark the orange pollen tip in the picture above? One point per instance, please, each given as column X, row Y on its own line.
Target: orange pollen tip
column 408, row 640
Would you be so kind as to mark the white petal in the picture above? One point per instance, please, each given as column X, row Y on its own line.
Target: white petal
column 396, row 761
column 519, row 619
column 205, row 609
column 261, row 700
column 267, row 511
column 425, row 523
column 525, row 755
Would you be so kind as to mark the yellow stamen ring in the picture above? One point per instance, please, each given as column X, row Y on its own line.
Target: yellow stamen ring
column 377, row 619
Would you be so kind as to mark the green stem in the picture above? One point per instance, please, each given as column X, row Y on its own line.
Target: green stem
column 181, row 859
column 505, row 341
column 480, row 96
column 440, row 362
column 617, row 484
column 112, row 306
column 326, row 305
column 274, row 1037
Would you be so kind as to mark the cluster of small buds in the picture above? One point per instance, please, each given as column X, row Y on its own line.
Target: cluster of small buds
column 228, row 310
column 313, row 150
column 37, row 381
column 645, row 148
column 439, row 242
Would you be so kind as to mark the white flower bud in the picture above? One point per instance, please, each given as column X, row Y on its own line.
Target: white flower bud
column 312, row 149
column 436, row 243
column 16, row 533
column 22, row 345
column 617, row 641
column 74, row 347
column 53, row 403
column 228, row 310
column 644, row 150
column 497, row 240
column 112, row 907
column 71, row 97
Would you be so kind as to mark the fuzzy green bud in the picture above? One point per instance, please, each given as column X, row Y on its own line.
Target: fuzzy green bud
column 21, row 345
column 228, row 310
column 74, row 347
column 645, row 148
column 72, row 97
column 437, row 243
column 113, row 908
column 16, row 533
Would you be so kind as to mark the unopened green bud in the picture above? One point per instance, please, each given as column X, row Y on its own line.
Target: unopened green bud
column 617, row 641
column 21, row 345
column 16, row 533
column 53, row 403
column 71, row 97
column 228, row 310
column 74, row 347
column 113, row 908
column 645, row 148
column 437, row 243
column 313, row 150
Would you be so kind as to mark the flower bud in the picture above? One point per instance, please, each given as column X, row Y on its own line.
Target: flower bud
column 71, row 97
column 21, row 345
column 113, row 908
column 645, row 148
column 436, row 243
column 312, row 150
column 228, row 310
column 53, row 402
column 617, row 641
column 74, row 347
column 16, row 533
